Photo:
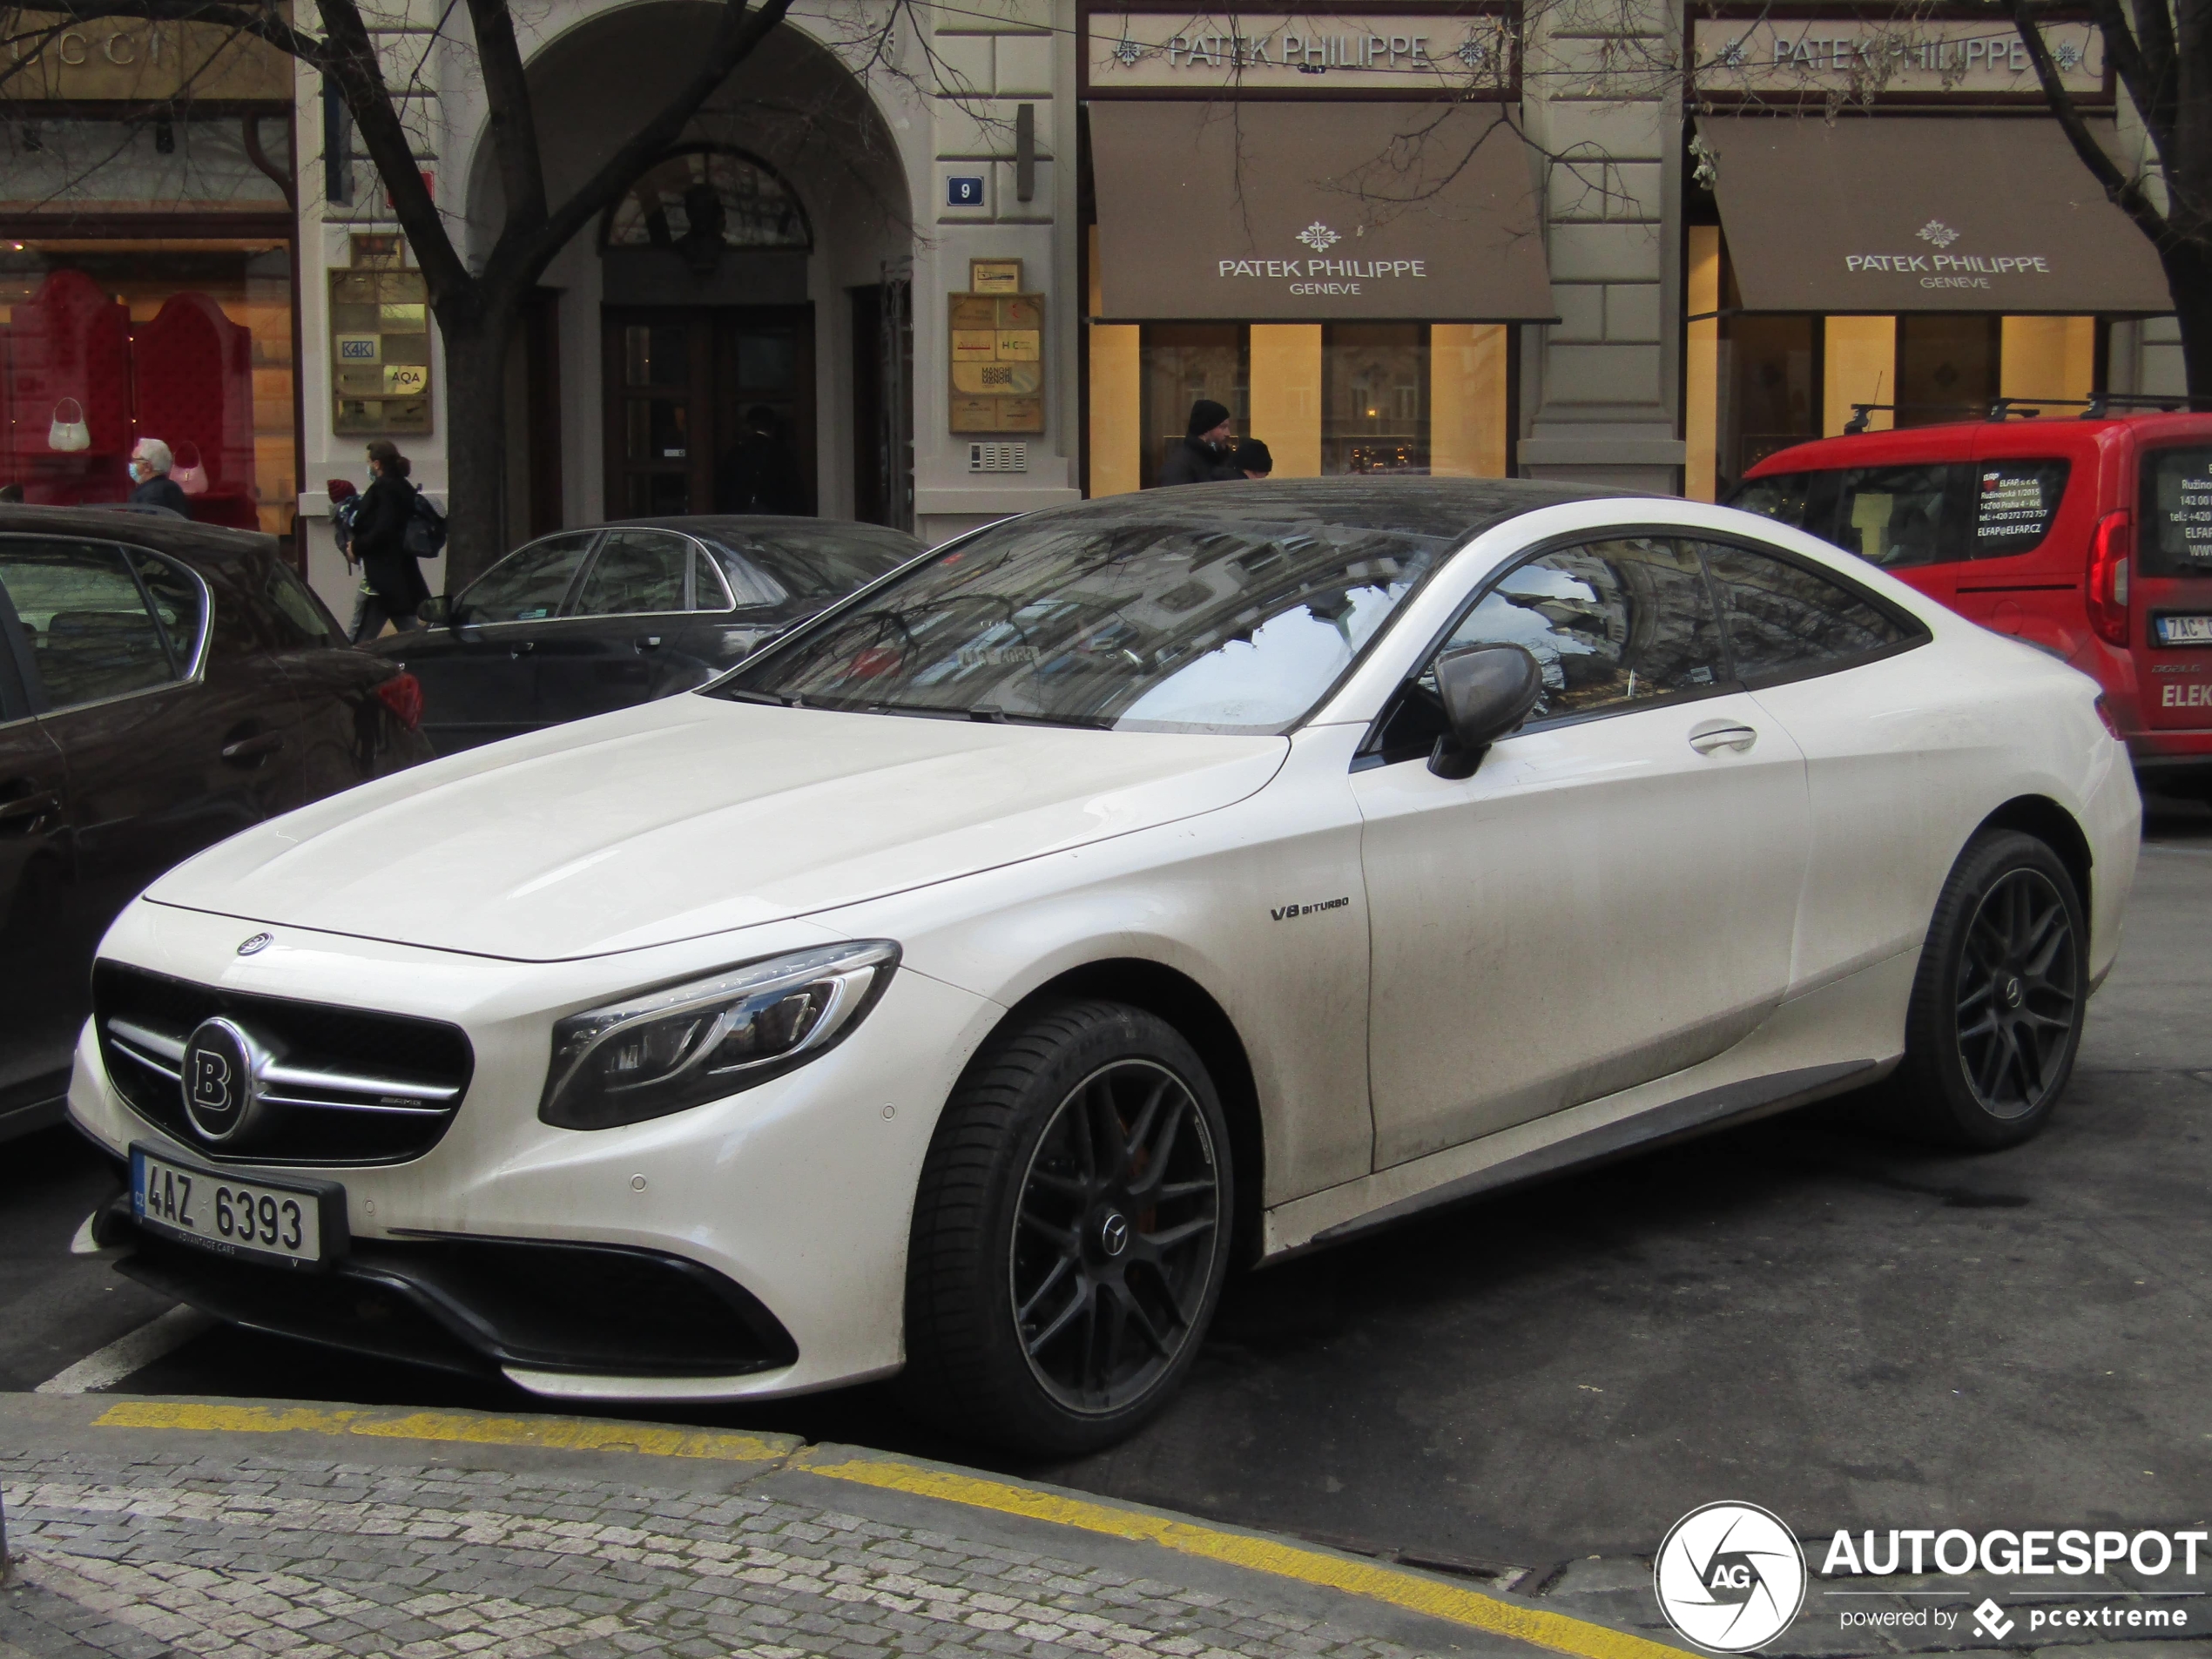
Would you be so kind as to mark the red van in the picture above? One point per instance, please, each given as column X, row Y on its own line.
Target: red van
column 2088, row 535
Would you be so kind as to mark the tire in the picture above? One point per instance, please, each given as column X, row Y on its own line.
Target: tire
column 1071, row 1232
column 1998, row 1003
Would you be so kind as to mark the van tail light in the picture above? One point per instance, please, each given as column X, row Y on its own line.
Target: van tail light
column 402, row 694
column 2104, row 713
column 2108, row 557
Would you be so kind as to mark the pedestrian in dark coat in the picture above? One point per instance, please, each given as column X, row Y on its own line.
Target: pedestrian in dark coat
column 1208, row 452
column 150, row 464
column 396, row 588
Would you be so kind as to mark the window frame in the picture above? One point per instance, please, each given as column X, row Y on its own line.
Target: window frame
column 1370, row 753
column 569, row 611
column 181, row 672
column 703, row 558
column 568, row 595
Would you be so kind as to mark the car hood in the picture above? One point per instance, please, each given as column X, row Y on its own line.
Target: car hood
column 694, row 816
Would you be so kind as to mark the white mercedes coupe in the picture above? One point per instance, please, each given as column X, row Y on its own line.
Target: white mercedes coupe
column 1119, row 895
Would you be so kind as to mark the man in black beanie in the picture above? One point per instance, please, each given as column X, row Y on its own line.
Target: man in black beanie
column 1207, row 454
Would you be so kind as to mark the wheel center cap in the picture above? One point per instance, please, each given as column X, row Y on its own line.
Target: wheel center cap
column 1113, row 1234
column 2012, row 992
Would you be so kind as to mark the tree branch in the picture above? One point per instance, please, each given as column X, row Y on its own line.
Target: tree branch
column 741, row 29
column 2125, row 192
column 509, row 112
column 2136, row 74
column 2155, row 30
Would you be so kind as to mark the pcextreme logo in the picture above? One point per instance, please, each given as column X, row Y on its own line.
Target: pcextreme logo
column 1729, row 1577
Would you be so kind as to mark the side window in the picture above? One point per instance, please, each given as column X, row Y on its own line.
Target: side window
column 1786, row 620
column 2014, row 504
column 90, row 634
column 1897, row 516
column 638, row 572
column 2175, row 513
column 529, row 584
column 179, row 607
column 297, row 618
column 709, row 591
column 1783, row 496
column 1612, row 624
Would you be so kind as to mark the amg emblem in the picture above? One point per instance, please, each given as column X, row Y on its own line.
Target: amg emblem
column 1292, row 912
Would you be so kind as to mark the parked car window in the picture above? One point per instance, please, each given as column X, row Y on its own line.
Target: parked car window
column 1146, row 622
column 2176, row 512
column 296, row 617
column 1612, row 624
column 92, row 635
column 530, row 584
column 637, row 573
column 1783, row 496
column 1786, row 620
column 179, row 605
column 710, row 591
column 1895, row 515
column 2014, row 504
column 817, row 561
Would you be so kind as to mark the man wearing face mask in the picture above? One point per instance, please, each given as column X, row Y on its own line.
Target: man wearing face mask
column 1207, row 454
column 150, row 464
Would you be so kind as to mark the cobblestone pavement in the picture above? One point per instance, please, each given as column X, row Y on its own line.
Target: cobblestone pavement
column 144, row 1553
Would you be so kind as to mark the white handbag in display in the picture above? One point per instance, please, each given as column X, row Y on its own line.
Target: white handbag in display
column 190, row 477
column 70, row 435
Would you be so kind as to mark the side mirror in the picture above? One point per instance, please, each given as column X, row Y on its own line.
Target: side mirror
column 437, row 611
column 1487, row 692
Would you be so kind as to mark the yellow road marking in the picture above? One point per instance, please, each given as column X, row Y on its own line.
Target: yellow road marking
column 561, row 1433
column 1410, row 1590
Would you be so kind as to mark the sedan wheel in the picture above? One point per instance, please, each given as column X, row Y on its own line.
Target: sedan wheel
column 1071, row 1233
column 1999, row 998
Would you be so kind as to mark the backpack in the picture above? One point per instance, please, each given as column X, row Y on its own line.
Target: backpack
column 425, row 535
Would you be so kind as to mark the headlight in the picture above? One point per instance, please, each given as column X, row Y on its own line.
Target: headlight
column 662, row 1051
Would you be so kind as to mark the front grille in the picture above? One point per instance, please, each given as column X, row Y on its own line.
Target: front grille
column 342, row 1086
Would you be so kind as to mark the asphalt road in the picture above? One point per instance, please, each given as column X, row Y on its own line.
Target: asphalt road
column 1852, row 1332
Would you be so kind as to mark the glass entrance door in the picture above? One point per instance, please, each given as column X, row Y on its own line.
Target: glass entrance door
column 701, row 402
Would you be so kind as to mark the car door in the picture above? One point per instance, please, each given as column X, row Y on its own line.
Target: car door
column 43, row 1008
column 1815, row 652
column 620, row 643
column 479, row 673
column 1610, row 897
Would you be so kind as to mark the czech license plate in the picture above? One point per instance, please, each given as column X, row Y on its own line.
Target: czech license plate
column 257, row 1219
column 2184, row 631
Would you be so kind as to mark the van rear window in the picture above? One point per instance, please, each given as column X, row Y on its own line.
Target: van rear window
column 2014, row 504
column 2175, row 537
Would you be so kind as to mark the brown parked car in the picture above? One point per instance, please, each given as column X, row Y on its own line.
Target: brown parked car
column 162, row 686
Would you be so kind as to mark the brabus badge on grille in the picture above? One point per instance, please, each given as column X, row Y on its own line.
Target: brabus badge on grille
column 258, row 942
column 221, row 1082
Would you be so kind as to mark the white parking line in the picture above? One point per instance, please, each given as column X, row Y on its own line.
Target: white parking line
column 128, row 1353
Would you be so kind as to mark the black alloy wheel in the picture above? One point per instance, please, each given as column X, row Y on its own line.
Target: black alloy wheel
column 1998, row 1001
column 1072, row 1231
column 1113, row 1250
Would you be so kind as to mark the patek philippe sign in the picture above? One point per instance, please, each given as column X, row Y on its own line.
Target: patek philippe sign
column 1934, row 265
column 1927, row 61
column 1319, row 276
column 1413, row 54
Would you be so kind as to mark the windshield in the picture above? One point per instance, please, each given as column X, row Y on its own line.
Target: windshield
column 1146, row 620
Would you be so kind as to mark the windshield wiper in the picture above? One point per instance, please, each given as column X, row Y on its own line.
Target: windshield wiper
column 773, row 699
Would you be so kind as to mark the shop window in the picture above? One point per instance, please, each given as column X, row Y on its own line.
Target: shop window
column 1948, row 364
column 1769, row 386
column 1178, row 364
column 1374, row 397
column 189, row 341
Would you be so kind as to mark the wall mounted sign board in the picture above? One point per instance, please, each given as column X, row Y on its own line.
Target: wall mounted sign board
column 997, row 360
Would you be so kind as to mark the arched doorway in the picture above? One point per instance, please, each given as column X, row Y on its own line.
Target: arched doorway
column 709, row 388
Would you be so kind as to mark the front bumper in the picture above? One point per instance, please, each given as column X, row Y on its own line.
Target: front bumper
column 796, row 1195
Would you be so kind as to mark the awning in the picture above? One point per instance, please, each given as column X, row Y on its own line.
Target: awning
column 1924, row 213
column 1311, row 213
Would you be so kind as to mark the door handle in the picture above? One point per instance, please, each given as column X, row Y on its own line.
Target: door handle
column 646, row 642
column 21, row 816
column 1737, row 738
column 246, row 750
column 521, row 648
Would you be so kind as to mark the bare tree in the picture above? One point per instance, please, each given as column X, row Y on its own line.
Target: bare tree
column 476, row 304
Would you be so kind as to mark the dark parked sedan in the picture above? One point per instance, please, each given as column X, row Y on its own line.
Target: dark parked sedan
column 162, row 686
column 591, row 620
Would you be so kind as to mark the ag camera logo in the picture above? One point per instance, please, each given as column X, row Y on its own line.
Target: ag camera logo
column 1729, row 1577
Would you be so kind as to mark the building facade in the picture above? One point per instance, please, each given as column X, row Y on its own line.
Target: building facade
column 986, row 261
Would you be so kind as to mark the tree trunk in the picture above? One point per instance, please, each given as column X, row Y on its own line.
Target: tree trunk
column 475, row 443
column 2188, row 278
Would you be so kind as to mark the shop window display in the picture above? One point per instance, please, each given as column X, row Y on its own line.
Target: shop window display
column 189, row 341
column 1181, row 363
column 1374, row 397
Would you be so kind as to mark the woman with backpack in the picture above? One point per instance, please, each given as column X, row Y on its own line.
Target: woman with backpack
column 380, row 542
